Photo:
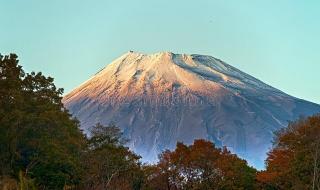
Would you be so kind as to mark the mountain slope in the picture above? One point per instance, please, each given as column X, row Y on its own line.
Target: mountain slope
column 163, row 98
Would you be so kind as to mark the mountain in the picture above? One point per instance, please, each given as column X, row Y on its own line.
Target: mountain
column 163, row 98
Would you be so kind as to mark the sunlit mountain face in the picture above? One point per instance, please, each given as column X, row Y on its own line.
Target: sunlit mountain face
column 162, row 98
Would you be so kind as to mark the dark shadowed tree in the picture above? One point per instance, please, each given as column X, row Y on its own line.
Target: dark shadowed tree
column 38, row 140
column 108, row 163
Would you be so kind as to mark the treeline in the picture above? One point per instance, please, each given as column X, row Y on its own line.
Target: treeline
column 42, row 147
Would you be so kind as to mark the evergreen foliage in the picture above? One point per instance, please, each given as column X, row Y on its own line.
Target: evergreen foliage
column 38, row 138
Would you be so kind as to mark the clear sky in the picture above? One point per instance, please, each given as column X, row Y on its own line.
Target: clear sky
column 276, row 41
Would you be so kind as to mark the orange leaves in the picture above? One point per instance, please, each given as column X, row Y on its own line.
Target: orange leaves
column 267, row 177
column 293, row 162
column 203, row 166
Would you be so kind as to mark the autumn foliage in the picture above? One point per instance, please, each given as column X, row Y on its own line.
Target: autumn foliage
column 294, row 161
column 200, row 166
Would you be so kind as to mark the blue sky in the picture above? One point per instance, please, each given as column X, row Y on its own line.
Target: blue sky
column 276, row 41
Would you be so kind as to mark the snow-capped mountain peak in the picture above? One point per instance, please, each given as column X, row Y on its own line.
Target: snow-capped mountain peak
column 161, row 98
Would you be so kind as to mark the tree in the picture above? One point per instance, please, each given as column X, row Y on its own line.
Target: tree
column 108, row 163
column 201, row 166
column 38, row 138
column 41, row 146
column 293, row 163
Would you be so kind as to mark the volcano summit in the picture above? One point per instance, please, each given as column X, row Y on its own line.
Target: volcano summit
column 162, row 98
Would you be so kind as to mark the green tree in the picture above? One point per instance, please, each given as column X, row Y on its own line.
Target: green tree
column 108, row 163
column 38, row 138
